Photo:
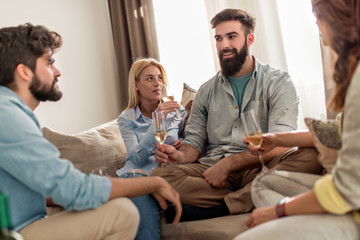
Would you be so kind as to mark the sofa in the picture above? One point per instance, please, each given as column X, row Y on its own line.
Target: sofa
column 104, row 146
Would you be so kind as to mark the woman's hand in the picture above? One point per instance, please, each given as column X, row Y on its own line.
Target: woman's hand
column 169, row 106
column 268, row 143
column 261, row 215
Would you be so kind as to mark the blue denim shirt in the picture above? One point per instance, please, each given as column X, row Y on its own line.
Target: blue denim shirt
column 31, row 168
column 214, row 120
column 137, row 133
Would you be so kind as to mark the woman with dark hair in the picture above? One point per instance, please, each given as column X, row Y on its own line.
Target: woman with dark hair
column 331, row 209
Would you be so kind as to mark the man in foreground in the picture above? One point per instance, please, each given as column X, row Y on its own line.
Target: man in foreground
column 31, row 170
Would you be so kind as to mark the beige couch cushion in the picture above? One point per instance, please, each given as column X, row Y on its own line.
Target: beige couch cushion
column 93, row 148
column 224, row 228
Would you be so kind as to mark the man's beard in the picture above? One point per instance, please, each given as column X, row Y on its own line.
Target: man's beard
column 43, row 92
column 230, row 66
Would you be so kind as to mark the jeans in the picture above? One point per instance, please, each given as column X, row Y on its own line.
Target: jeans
column 149, row 227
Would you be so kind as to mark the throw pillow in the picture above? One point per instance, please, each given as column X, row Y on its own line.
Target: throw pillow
column 96, row 147
column 188, row 95
column 327, row 140
column 187, row 98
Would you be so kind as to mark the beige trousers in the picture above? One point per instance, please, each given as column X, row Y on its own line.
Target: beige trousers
column 116, row 219
column 195, row 191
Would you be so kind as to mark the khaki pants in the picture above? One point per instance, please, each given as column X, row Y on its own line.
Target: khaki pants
column 195, row 191
column 116, row 219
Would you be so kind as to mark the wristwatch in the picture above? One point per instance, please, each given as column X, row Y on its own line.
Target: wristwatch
column 280, row 207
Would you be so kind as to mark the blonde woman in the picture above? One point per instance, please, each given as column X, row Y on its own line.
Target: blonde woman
column 147, row 78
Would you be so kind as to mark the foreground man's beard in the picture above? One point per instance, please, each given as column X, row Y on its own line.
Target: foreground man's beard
column 43, row 92
column 230, row 66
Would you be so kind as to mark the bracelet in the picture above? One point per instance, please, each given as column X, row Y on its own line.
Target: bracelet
column 280, row 208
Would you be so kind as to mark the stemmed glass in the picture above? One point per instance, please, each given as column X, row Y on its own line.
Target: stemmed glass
column 159, row 129
column 103, row 170
column 253, row 134
column 168, row 95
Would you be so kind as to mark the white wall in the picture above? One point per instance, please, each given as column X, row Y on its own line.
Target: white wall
column 86, row 60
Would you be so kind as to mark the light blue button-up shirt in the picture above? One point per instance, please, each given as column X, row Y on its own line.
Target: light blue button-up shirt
column 137, row 133
column 214, row 120
column 31, row 168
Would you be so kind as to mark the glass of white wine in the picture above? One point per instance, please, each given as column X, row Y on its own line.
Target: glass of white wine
column 253, row 134
column 159, row 129
column 168, row 95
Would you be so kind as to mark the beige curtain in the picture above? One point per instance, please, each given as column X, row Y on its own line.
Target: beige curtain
column 134, row 33
column 328, row 59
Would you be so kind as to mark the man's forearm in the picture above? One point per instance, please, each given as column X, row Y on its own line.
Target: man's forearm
column 245, row 160
column 134, row 187
column 188, row 154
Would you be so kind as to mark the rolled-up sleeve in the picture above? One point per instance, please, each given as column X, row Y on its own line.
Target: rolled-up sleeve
column 329, row 197
column 196, row 128
column 283, row 103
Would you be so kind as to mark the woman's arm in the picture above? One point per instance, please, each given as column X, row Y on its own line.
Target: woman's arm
column 139, row 150
column 305, row 203
column 286, row 139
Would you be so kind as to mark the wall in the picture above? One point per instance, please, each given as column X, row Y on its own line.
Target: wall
column 86, row 60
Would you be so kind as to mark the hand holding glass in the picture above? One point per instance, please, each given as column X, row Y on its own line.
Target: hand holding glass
column 167, row 95
column 253, row 134
column 159, row 129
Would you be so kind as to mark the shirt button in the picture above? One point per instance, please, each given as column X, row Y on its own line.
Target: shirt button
column 235, row 126
column 236, row 107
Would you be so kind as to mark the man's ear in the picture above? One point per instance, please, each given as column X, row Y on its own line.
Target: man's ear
column 23, row 72
column 250, row 39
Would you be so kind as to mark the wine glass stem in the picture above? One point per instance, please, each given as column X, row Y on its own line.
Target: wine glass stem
column 161, row 164
column 264, row 168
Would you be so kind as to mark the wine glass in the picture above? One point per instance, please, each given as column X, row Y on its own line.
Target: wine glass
column 103, row 169
column 253, row 134
column 159, row 129
column 168, row 95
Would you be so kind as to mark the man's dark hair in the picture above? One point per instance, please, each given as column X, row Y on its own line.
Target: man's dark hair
column 23, row 44
column 245, row 19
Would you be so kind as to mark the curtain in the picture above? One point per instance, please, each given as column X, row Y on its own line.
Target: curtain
column 328, row 59
column 134, row 34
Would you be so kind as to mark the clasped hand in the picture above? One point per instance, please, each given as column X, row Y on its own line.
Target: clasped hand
column 267, row 144
column 166, row 154
column 169, row 106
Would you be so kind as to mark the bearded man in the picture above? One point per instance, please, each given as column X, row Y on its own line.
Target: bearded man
column 31, row 170
column 213, row 169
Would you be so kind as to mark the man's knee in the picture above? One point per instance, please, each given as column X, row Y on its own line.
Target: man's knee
column 303, row 160
column 125, row 215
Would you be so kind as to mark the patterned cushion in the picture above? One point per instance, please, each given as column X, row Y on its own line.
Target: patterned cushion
column 327, row 140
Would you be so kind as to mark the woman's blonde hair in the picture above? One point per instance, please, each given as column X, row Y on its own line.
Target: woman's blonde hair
column 134, row 74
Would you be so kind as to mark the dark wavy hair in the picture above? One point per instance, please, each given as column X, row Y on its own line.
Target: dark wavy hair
column 235, row 14
column 23, row 44
column 343, row 19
